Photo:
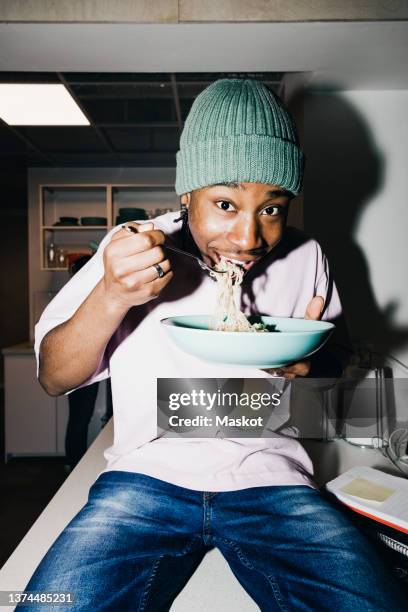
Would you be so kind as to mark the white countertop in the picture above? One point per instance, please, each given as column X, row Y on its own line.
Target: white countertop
column 330, row 459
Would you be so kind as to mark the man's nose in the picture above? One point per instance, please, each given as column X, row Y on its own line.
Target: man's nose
column 245, row 233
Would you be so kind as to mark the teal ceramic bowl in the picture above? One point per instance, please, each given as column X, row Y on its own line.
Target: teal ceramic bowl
column 291, row 340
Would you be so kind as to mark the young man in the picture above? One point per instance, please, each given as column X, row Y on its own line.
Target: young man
column 163, row 502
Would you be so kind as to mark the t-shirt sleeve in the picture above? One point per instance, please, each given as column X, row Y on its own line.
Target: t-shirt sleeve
column 326, row 287
column 68, row 300
column 339, row 344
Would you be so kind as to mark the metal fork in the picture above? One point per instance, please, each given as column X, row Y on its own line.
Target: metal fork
column 202, row 265
column 133, row 230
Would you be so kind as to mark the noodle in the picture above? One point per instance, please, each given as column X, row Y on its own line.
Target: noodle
column 228, row 317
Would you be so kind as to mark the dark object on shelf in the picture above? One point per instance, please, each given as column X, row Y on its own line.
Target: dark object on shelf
column 94, row 221
column 67, row 221
column 131, row 211
column 80, row 257
column 73, row 220
column 94, row 246
column 131, row 214
column 122, row 220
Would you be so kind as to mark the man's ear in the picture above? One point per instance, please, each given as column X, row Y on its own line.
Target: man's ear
column 185, row 199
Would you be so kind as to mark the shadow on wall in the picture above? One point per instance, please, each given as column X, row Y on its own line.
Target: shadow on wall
column 344, row 171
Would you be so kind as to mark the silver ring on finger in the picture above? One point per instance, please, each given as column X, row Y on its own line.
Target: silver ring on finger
column 159, row 270
column 130, row 229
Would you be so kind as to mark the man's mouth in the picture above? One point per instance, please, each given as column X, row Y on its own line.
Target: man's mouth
column 245, row 263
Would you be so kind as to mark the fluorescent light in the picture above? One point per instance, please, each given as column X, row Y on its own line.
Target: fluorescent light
column 39, row 104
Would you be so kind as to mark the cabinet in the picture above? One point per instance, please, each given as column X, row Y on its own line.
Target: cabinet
column 35, row 423
column 75, row 217
column 30, row 414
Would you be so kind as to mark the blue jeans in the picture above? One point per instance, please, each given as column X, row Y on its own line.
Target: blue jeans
column 137, row 541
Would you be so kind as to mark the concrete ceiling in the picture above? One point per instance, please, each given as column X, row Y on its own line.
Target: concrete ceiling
column 348, row 55
column 138, row 123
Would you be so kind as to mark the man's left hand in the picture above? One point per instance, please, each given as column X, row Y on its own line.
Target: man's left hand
column 301, row 368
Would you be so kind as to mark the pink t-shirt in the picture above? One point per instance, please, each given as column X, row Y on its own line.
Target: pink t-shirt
column 140, row 351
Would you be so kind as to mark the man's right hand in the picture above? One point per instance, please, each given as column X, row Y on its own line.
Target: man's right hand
column 130, row 278
column 72, row 351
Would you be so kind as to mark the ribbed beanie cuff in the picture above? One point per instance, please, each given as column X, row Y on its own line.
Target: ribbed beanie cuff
column 241, row 158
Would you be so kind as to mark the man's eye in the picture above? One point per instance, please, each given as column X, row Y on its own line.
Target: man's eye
column 271, row 211
column 225, row 206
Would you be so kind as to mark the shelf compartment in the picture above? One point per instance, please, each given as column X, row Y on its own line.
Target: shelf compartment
column 74, row 201
column 155, row 200
column 68, row 241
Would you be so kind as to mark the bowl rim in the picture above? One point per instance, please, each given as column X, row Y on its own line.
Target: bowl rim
column 327, row 326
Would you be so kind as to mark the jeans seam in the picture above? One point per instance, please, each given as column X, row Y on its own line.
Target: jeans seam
column 187, row 549
column 270, row 577
column 153, row 574
column 149, row 583
column 207, row 514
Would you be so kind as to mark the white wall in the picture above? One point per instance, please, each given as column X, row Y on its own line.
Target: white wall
column 356, row 203
column 382, row 230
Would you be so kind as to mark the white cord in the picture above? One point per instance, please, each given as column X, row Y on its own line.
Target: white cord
column 396, row 463
column 395, row 449
column 399, row 547
column 397, row 445
column 401, row 363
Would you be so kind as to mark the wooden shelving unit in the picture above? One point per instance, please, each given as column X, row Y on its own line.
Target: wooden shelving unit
column 92, row 200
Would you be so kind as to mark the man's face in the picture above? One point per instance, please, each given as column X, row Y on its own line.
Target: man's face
column 241, row 221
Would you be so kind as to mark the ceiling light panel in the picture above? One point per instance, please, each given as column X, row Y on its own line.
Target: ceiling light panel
column 39, row 104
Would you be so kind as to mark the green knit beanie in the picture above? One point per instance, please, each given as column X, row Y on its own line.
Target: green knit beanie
column 238, row 131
